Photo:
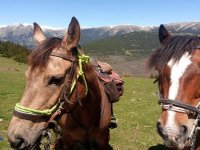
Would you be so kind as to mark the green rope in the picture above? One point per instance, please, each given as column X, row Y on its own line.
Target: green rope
column 26, row 110
column 82, row 59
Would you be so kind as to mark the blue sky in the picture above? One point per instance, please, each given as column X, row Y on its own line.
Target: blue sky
column 94, row 13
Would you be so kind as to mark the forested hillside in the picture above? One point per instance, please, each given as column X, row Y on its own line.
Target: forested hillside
column 15, row 51
column 140, row 43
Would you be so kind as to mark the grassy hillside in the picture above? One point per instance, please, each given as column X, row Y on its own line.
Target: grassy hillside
column 137, row 111
column 11, row 88
column 138, row 43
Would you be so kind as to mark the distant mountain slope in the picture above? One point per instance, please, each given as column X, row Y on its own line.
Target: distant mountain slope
column 184, row 27
column 138, row 43
column 22, row 34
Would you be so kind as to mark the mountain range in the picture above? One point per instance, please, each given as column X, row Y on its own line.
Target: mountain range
column 22, row 33
column 125, row 47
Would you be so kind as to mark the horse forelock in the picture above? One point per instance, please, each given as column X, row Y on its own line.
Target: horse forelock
column 40, row 56
column 173, row 48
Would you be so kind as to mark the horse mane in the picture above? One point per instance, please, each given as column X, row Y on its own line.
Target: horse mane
column 40, row 56
column 173, row 48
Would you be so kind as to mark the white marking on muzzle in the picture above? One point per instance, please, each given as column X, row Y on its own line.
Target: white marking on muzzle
column 177, row 71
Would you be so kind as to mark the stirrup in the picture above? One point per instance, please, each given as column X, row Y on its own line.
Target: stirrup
column 113, row 122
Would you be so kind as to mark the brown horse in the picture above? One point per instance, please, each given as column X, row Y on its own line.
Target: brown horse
column 61, row 83
column 178, row 64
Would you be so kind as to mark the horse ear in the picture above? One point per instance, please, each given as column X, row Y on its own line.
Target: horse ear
column 72, row 37
column 163, row 34
column 38, row 34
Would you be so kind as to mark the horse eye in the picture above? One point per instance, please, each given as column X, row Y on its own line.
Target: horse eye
column 55, row 80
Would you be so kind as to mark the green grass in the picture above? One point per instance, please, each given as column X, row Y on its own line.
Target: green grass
column 11, row 89
column 137, row 111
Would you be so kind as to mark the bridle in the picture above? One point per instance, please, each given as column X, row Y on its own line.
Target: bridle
column 178, row 106
column 53, row 114
column 175, row 105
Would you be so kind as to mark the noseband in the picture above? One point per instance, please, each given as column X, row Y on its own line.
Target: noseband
column 175, row 105
column 45, row 115
column 178, row 106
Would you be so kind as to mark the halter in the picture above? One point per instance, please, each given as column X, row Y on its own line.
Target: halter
column 178, row 106
column 29, row 114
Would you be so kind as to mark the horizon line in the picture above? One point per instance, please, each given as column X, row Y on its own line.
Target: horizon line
column 88, row 27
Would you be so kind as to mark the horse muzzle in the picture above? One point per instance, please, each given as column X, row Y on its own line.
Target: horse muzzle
column 174, row 137
column 23, row 143
column 18, row 143
column 23, row 135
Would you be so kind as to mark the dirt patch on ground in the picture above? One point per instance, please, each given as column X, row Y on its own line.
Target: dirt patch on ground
column 127, row 65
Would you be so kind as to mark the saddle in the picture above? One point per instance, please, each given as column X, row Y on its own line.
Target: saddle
column 113, row 83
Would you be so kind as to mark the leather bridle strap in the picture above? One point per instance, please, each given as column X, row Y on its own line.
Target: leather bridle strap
column 65, row 57
column 37, row 117
column 67, row 88
column 178, row 106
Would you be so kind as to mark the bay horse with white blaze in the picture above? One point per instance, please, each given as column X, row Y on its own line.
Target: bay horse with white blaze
column 177, row 62
column 61, row 83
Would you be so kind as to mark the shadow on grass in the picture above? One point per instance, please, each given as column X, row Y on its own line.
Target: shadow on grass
column 158, row 147
column 89, row 145
column 110, row 147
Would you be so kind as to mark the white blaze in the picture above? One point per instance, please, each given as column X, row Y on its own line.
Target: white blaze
column 177, row 71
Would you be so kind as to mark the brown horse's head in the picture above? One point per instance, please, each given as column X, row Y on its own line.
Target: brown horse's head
column 178, row 64
column 45, row 78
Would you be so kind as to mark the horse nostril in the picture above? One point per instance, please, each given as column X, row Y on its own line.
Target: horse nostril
column 159, row 129
column 183, row 129
column 19, row 143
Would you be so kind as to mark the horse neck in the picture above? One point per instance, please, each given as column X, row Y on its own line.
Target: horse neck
column 94, row 91
column 91, row 104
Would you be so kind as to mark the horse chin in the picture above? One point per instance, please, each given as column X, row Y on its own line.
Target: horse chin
column 179, row 144
column 36, row 145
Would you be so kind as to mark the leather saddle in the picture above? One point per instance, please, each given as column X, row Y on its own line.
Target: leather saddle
column 112, row 82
